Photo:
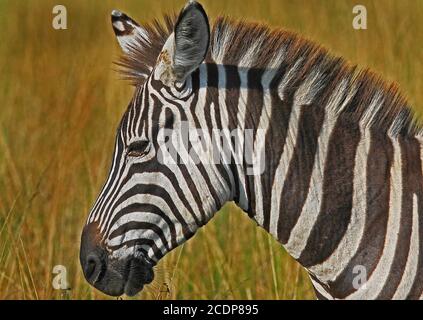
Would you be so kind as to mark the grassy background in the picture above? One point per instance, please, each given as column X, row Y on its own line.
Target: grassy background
column 60, row 105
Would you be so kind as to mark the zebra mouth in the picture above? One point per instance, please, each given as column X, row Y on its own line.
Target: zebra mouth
column 139, row 274
column 113, row 276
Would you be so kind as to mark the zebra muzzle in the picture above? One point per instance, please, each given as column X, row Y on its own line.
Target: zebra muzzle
column 112, row 276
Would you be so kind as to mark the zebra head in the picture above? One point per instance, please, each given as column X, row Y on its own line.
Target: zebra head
column 152, row 201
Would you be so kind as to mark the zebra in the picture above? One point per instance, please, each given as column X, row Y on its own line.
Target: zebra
column 338, row 150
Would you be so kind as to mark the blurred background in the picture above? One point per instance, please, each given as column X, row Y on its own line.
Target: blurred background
column 60, row 104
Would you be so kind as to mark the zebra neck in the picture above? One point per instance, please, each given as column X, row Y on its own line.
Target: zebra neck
column 342, row 158
column 241, row 102
column 260, row 106
column 326, row 180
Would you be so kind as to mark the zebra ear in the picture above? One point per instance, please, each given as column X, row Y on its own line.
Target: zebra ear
column 192, row 38
column 187, row 47
column 128, row 32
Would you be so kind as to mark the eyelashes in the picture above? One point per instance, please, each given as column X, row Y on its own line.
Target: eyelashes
column 138, row 148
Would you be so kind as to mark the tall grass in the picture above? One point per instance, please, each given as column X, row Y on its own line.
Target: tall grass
column 60, row 105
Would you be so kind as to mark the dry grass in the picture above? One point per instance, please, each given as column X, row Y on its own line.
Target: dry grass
column 60, row 105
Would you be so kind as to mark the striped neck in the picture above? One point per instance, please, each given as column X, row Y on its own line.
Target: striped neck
column 322, row 170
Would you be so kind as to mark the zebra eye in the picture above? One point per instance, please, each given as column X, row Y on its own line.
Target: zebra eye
column 138, row 148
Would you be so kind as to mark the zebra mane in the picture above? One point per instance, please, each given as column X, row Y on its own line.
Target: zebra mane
column 372, row 101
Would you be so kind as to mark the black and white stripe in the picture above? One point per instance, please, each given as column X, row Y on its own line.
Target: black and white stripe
column 343, row 179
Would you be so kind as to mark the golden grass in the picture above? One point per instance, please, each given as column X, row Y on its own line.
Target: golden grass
column 60, row 105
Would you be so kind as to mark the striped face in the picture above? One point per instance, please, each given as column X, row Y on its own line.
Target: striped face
column 154, row 198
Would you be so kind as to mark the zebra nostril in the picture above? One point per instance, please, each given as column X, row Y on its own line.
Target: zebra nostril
column 93, row 268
